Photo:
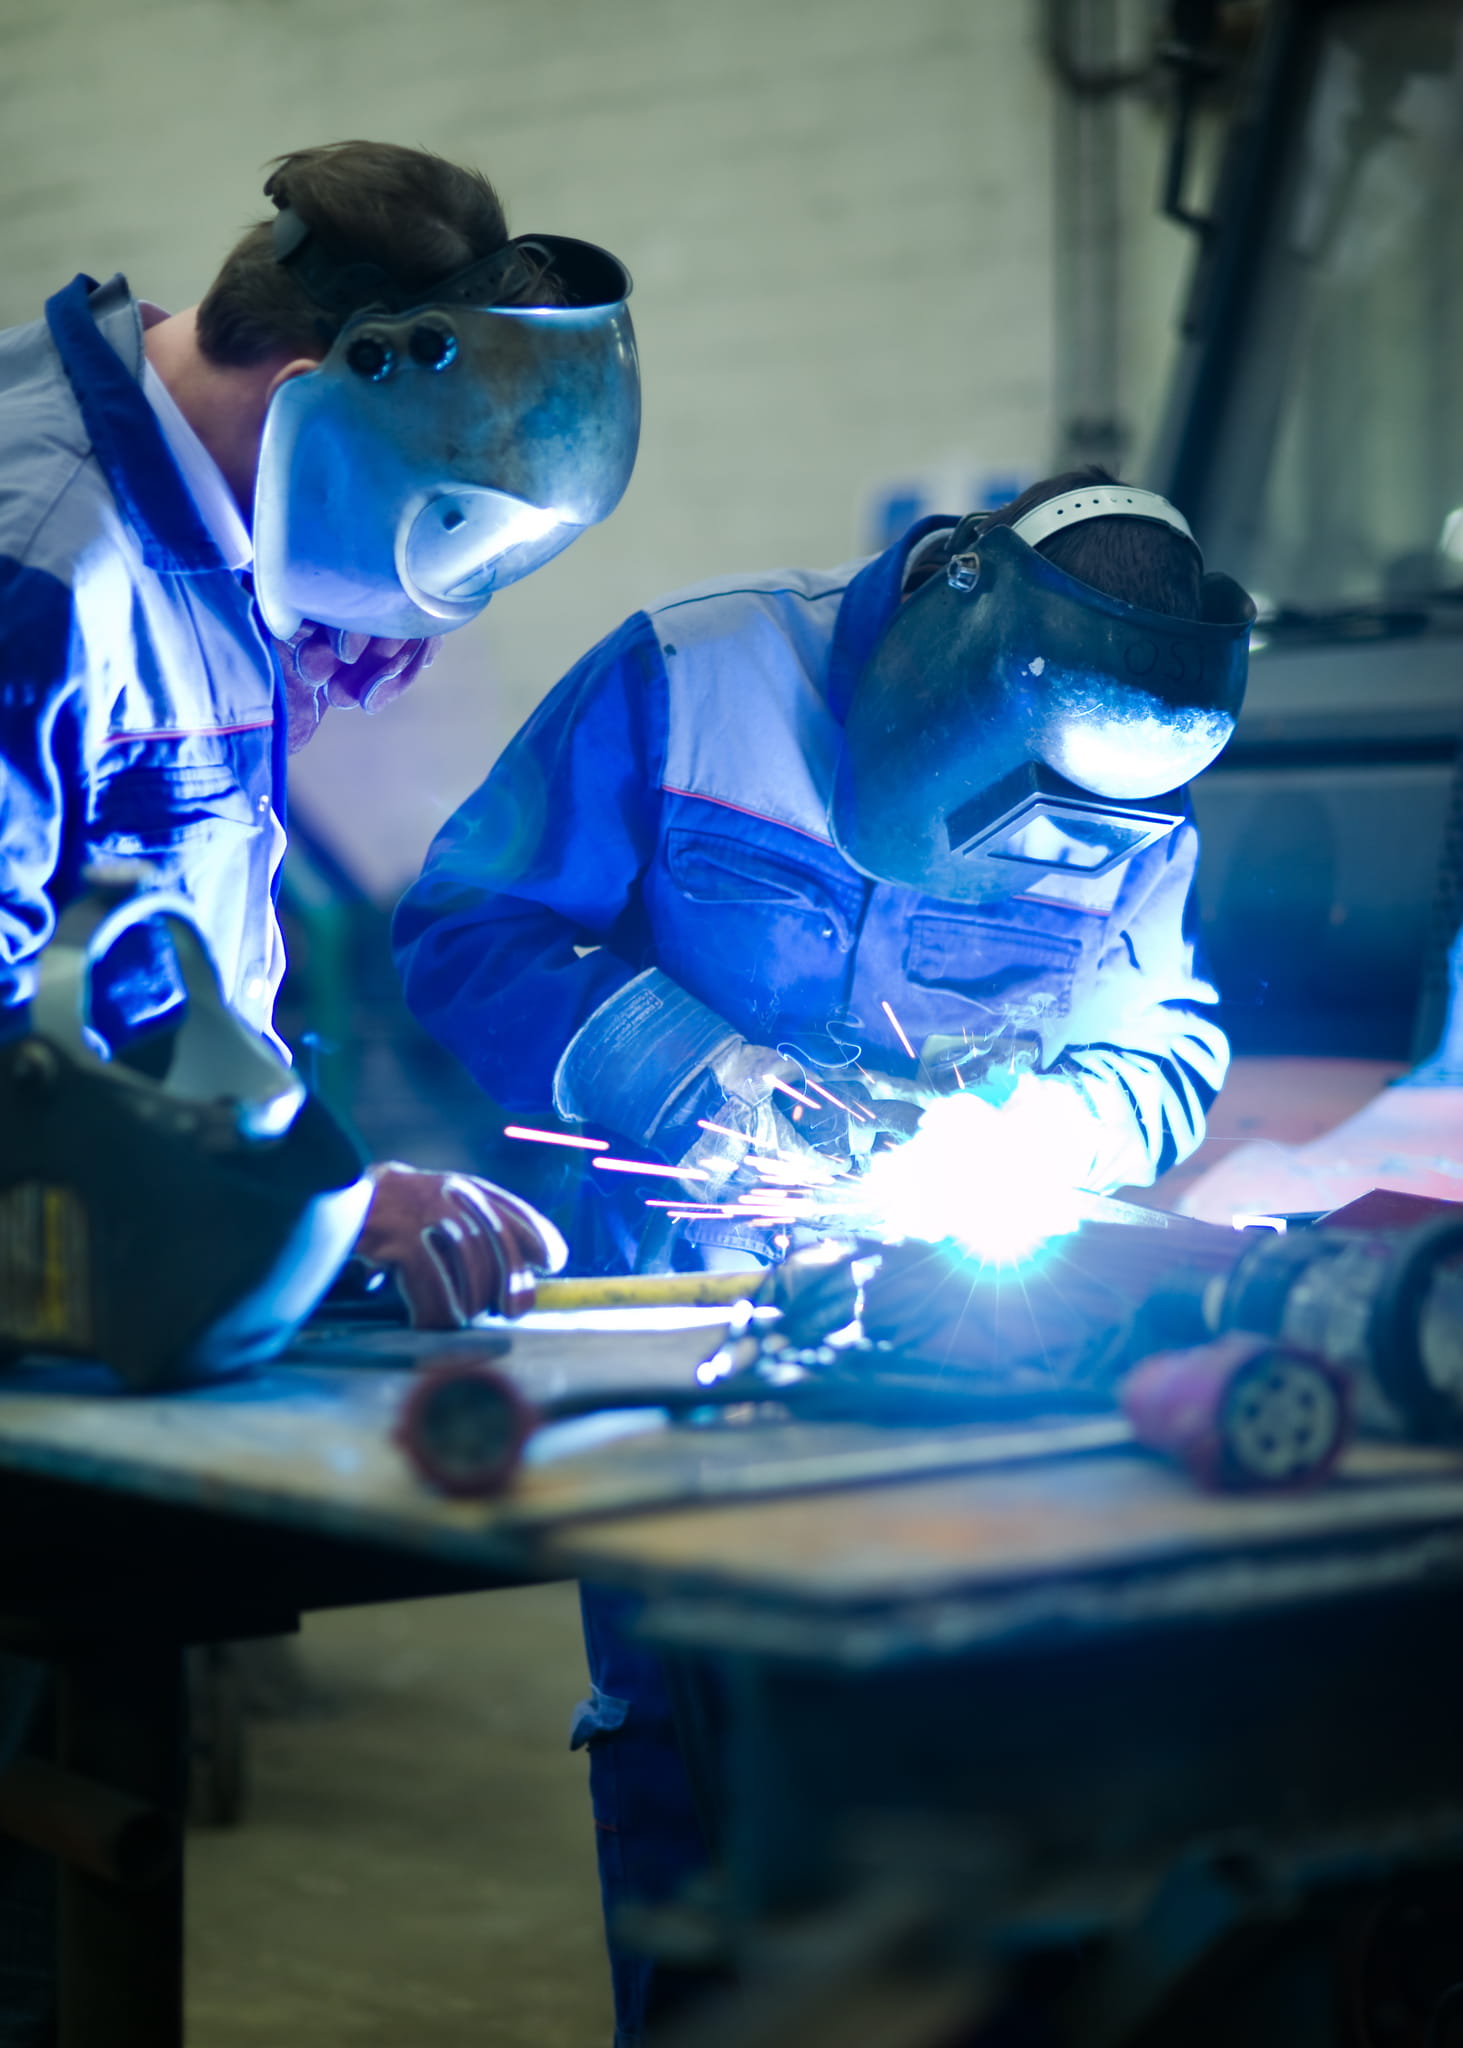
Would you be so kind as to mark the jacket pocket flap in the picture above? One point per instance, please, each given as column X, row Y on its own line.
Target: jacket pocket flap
column 712, row 867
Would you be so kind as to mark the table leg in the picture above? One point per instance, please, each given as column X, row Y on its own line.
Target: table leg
column 121, row 1721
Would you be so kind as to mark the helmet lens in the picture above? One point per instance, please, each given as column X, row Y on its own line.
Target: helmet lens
column 1047, row 832
column 456, row 546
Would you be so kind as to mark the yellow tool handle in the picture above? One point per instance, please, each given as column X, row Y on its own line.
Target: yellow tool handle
column 651, row 1290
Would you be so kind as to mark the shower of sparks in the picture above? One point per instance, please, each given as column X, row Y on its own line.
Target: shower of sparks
column 999, row 1181
column 899, row 1031
column 555, row 1138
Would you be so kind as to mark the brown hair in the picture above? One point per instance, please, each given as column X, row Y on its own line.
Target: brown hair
column 1136, row 560
column 404, row 212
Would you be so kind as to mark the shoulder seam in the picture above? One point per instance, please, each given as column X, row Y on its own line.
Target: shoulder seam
column 23, row 558
column 675, row 604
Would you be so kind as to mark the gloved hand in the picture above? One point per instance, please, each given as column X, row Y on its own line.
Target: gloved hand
column 324, row 665
column 655, row 1064
column 457, row 1246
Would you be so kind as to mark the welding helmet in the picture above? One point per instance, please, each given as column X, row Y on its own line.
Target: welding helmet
column 175, row 1211
column 1014, row 722
column 449, row 443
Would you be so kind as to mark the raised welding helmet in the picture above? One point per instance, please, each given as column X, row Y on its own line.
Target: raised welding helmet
column 1015, row 722
column 178, row 1216
column 451, row 441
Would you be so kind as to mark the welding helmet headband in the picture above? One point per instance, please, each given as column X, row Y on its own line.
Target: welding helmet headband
column 177, row 1217
column 1013, row 721
column 447, row 445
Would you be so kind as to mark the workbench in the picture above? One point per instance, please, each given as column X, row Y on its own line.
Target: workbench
column 926, row 1652
column 1070, row 1717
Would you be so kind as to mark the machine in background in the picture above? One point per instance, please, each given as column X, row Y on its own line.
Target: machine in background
column 1314, row 437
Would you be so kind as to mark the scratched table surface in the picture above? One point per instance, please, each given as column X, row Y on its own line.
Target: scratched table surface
column 945, row 1533
column 1060, row 1546
column 307, row 1442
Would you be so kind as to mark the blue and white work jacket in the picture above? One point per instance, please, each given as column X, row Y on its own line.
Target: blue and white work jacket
column 141, row 713
column 667, row 806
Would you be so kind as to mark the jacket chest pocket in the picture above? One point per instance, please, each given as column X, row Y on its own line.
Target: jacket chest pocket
column 1021, row 973
column 151, row 808
column 713, row 868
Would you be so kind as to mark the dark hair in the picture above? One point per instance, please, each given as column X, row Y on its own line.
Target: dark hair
column 1134, row 559
column 403, row 211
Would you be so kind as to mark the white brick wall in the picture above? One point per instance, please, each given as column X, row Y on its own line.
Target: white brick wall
column 837, row 213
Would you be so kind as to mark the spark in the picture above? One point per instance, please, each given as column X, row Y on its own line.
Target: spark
column 555, row 1138
column 838, row 1102
column 652, row 1167
column 806, row 1100
column 898, row 1030
column 723, row 1130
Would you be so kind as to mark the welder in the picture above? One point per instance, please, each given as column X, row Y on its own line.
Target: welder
column 218, row 523
column 904, row 826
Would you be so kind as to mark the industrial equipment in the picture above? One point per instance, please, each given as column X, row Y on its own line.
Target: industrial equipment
column 1314, row 438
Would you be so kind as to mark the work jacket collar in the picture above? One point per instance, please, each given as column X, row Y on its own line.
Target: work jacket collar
column 98, row 334
column 869, row 603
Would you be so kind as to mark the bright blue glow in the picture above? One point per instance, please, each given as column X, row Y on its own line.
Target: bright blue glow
column 1001, row 1182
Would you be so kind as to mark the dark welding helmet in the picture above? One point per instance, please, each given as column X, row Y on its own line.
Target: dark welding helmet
column 175, row 1211
column 1014, row 722
column 451, row 441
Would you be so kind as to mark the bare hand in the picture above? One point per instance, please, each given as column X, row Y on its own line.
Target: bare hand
column 323, row 666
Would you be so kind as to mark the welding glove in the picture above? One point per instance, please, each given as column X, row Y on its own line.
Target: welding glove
column 324, row 665
column 655, row 1064
column 456, row 1246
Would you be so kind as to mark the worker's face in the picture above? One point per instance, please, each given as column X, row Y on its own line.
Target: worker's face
column 323, row 667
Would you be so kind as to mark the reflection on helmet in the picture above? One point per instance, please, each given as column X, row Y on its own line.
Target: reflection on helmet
column 1014, row 721
column 443, row 451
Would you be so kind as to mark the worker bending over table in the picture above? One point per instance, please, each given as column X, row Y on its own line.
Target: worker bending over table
column 218, row 524
column 787, row 858
column 215, row 525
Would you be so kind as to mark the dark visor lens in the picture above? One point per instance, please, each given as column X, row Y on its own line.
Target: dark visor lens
column 1050, row 834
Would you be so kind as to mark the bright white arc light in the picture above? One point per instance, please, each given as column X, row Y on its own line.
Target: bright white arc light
column 999, row 1181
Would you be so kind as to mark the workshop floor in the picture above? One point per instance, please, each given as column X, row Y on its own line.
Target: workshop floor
column 416, row 1869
